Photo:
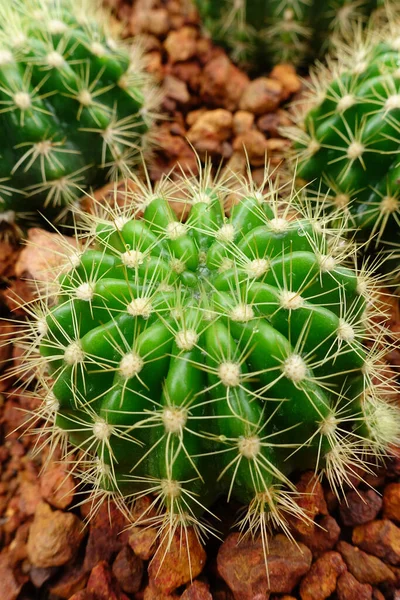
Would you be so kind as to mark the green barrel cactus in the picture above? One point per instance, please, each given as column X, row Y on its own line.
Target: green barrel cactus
column 261, row 32
column 75, row 104
column 349, row 135
column 213, row 357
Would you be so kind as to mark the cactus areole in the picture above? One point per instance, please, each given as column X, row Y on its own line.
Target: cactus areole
column 215, row 356
column 74, row 103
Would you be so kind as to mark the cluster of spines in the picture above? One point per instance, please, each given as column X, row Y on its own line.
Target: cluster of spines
column 75, row 103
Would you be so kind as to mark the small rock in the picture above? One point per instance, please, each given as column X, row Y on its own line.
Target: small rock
column 198, row 590
column 322, row 537
column 377, row 594
column 181, row 45
column 143, row 540
column 360, row 507
column 320, row 581
column 57, row 486
column 128, row 570
column 222, row 84
column 253, row 144
column 101, row 585
column 263, row 95
column 391, row 502
column 312, row 502
column 242, row 121
column 380, row 538
column 54, row 537
column 271, row 123
column 11, row 581
column 72, row 580
column 152, row 593
column 105, row 537
column 157, row 21
column 210, row 130
column 287, row 76
column 348, row 588
column 177, row 561
column 176, row 89
column 364, row 567
column 241, row 563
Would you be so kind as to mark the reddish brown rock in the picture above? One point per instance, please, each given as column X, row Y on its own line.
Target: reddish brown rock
column 210, row 130
column 359, row 507
column 287, row 76
column 128, row 570
column 54, row 537
column 152, row 593
column 242, row 565
column 380, row 538
column 177, row 561
column 391, row 502
column 101, row 585
column 242, row 121
column 57, row 486
column 348, row 588
column 106, row 535
column 253, row 145
column 143, row 540
column 322, row 537
column 364, row 567
column 197, row 591
column 11, row 581
column 312, row 502
column 377, row 594
column 271, row 123
column 181, row 45
column 320, row 581
column 263, row 95
column 81, row 595
column 222, row 84
column 71, row 581
column 176, row 89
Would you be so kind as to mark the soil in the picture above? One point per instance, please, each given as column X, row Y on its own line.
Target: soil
column 49, row 549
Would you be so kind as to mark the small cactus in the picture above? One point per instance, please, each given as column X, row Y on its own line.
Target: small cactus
column 74, row 103
column 215, row 356
column 261, row 32
column 349, row 134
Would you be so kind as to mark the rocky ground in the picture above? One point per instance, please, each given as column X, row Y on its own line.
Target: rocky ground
column 49, row 550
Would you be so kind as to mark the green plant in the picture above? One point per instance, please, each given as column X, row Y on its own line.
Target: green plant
column 216, row 356
column 75, row 103
column 258, row 32
column 349, row 134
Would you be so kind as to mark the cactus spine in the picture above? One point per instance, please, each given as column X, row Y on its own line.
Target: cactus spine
column 75, row 104
column 258, row 32
column 213, row 357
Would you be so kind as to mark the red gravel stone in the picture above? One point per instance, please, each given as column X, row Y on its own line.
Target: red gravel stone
column 360, row 507
column 365, row 567
column 348, row 588
column 391, row 502
column 128, row 570
column 320, row 581
column 380, row 538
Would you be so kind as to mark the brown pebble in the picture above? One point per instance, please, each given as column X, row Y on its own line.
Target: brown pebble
column 253, row 144
column 320, row 581
column 222, row 84
column 152, row 593
column 359, row 507
column 271, row 123
column 198, row 590
column 128, row 570
column 365, row 567
column 348, row 588
column 176, row 89
column 242, row 121
column 287, row 76
column 391, row 502
column 101, row 586
column 210, row 130
column 54, row 537
column 177, row 561
column 181, row 45
column 322, row 537
column 263, row 95
column 142, row 540
column 380, row 538
column 57, row 486
column 377, row 594
column 241, row 563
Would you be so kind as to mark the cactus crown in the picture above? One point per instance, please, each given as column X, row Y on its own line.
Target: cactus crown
column 74, row 103
column 349, row 132
column 209, row 355
column 256, row 31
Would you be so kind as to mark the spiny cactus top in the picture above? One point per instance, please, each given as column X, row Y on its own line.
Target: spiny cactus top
column 74, row 103
column 261, row 32
column 214, row 357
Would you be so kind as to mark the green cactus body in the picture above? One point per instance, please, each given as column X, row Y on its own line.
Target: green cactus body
column 350, row 136
column 74, row 103
column 213, row 357
column 258, row 32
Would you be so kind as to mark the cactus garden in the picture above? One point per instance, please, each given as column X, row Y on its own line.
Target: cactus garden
column 199, row 300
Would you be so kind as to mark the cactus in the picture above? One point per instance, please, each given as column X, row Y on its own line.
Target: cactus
column 258, row 32
column 349, row 134
column 214, row 356
column 75, row 104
